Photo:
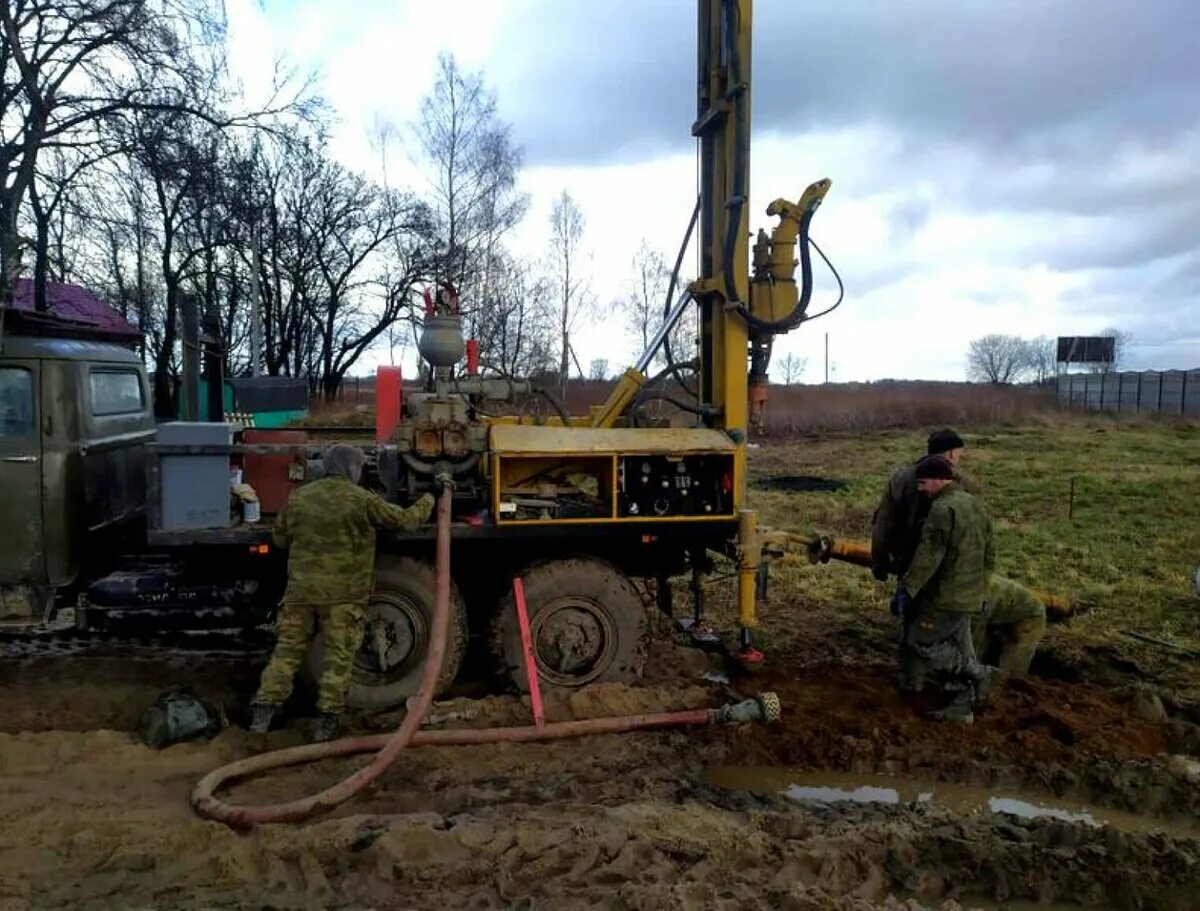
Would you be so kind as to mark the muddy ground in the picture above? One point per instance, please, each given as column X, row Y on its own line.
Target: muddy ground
column 90, row 818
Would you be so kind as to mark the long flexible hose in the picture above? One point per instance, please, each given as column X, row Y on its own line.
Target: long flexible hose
column 387, row 747
column 203, row 796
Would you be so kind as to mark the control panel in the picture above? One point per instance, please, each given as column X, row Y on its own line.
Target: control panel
column 657, row 486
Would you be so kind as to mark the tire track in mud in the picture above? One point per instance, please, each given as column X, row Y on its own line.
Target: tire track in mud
column 620, row 822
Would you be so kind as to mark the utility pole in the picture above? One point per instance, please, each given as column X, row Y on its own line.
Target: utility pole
column 826, row 358
column 256, row 338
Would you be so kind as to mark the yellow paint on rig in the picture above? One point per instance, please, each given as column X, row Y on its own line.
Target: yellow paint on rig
column 550, row 440
column 749, row 550
column 627, row 387
column 773, row 293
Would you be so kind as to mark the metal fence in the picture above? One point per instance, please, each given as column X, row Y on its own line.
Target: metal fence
column 1149, row 391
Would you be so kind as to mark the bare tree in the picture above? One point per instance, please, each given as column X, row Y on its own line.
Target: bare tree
column 70, row 65
column 1122, row 340
column 516, row 332
column 566, row 239
column 598, row 369
column 643, row 305
column 474, row 165
column 792, row 368
column 1041, row 356
column 997, row 359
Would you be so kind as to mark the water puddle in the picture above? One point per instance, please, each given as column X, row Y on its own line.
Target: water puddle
column 838, row 787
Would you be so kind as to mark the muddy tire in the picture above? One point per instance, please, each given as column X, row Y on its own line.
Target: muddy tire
column 586, row 620
column 399, row 622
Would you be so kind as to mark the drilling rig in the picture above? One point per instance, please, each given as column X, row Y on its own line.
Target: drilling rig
column 575, row 506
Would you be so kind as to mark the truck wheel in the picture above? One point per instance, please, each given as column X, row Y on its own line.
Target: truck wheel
column 399, row 621
column 587, row 624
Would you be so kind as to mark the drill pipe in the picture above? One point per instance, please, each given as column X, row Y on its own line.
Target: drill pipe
column 823, row 548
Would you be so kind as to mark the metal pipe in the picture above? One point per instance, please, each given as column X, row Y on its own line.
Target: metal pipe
column 822, row 549
column 663, row 331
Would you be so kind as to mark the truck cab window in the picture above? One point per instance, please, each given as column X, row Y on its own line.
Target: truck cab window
column 116, row 392
column 16, row 402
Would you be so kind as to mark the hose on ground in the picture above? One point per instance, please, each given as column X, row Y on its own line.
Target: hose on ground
column 206, row 803
column 764, row 708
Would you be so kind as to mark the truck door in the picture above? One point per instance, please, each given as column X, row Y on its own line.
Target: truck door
column 22, row 558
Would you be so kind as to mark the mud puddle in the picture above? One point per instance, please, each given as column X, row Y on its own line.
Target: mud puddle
column 809, row 787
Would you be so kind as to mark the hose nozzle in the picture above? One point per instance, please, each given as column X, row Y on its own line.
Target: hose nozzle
column 762, row 709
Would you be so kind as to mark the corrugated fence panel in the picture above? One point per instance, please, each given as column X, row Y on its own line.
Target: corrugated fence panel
column 1191, row 404
column 1167, row 391
column 1151, row 387
column 1171, row 400
column 1129, row 392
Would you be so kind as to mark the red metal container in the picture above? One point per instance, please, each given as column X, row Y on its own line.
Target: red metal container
column 268, row 474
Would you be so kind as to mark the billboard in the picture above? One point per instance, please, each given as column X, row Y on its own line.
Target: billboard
column 1083, row 349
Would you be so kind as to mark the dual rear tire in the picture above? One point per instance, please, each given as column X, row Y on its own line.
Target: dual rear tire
column 587, row 625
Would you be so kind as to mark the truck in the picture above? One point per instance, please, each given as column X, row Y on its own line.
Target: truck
column 577, row 507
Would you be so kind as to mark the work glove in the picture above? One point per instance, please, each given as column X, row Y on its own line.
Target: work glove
column 901, row 602
column 443, row 482
column 880, row 572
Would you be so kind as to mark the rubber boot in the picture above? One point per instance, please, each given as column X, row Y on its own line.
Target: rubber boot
column 327, row 728
column 959, row 709
column 261, row 717
column 983, row 686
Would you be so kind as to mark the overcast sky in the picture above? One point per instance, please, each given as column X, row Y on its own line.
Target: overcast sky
column 1018, row 166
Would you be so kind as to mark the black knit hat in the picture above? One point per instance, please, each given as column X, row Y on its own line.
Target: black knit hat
column 943, row 441
column 935, row 467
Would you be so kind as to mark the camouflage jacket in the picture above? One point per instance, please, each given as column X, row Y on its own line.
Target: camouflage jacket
column 328, row 528
column 896, row 528
column 954, row 559
column 1009, row 602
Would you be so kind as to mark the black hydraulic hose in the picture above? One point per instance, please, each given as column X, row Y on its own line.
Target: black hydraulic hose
column 841, row 288
column 643, row 398
column 555, row 403
column 736, row 92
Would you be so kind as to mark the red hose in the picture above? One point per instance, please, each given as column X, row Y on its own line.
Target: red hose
column 207, row 805
column 389, row 746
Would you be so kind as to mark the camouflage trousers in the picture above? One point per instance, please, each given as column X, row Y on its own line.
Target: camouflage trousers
column 937, row 646
column 342, row 632
column 1010, row 634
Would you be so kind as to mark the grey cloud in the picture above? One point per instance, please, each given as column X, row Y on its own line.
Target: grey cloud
column 595, row 81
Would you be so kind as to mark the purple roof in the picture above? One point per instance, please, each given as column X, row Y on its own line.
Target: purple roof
column 76, row 304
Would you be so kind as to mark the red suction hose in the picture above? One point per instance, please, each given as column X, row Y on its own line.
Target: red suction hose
column 764, row 708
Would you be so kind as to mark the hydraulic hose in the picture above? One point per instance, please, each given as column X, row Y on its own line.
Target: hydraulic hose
column 764, row 708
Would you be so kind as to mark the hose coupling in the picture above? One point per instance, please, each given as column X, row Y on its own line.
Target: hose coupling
column 762, row 709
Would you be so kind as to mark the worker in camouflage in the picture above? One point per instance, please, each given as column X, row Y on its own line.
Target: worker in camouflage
column 1013, row 622
column 942, row 590
column 896, row 528
column 328, row 528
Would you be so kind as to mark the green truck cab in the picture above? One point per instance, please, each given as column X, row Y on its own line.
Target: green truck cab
column 75, row 419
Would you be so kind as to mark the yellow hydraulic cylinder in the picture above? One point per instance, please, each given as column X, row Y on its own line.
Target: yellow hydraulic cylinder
column 749, row 550
column 627, row 387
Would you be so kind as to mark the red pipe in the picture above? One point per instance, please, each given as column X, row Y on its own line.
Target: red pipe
column 531, row 674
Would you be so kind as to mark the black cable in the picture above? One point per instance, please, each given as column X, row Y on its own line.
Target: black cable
column 841, row 288
column 640, row 399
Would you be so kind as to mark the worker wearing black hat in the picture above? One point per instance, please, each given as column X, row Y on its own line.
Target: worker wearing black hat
column 942, row 589
column 897, row 523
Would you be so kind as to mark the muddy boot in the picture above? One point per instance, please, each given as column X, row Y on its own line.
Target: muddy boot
column 327, row 728
column 261, row 717
column 954, row 714
column 983, row 687
column 959, row 709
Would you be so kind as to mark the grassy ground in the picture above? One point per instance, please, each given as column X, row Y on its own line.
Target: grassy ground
column 1124, row 552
